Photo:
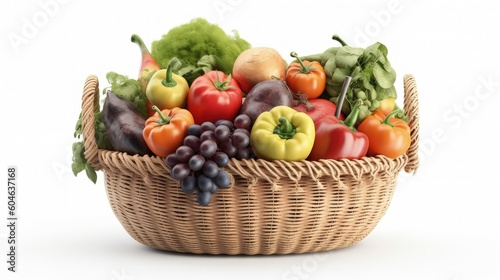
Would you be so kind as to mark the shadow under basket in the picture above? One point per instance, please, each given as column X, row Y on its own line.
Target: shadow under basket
column 271, row 207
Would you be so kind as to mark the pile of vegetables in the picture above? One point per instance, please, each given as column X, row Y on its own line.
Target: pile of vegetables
column 202, row 97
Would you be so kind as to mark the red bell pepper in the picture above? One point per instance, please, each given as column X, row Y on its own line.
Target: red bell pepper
column 337, row 139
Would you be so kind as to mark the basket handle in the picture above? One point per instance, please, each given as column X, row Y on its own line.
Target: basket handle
column 90, row 105
column 411, row 109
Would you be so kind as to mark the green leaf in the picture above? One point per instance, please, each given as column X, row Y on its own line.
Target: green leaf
column 78, row 127
column 383, row 49
column 208, row 63
column 375, row 105
column 77, row 168
column 384, row 79
column 371, row 54
column 91, row 174
column 79, row 160
column 339, row 75
column 366, row 83
column 383, row 93
column 78, row 153
column 347, row 57
column 123, row 86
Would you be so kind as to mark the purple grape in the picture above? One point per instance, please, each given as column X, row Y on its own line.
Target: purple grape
column 220, row 158
column 207, row 135
column 222, row 132
column 214, row 188
column 242, row 121
column 240, row 140
column 207, row 126
column 227, row 123
column 242, row 130
column 193, row 142
column 171, row 160
column 180, row 171
column 208, row 148
column 204, row 183
column 194, row 129
column 228, row 148
column 196, row 162
column 222, row 180
column 184, row 153
column 243, row 153
column 203, row 197
column 210, row 169
column 188, row 184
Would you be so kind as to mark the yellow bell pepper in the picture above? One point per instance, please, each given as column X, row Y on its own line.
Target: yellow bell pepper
column 282, row 134
column 167, row 90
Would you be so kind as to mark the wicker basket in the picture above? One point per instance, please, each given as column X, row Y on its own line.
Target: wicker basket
column 271, row 207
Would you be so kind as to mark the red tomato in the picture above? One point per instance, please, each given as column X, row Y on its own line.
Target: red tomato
column 214, row 96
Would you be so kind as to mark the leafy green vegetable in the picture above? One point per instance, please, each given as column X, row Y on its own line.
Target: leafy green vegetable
column 372, row 77
column 192, row 41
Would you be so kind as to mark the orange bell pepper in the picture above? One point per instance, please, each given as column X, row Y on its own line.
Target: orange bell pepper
column 306, row 77
column 164, row 132
column 387, row 135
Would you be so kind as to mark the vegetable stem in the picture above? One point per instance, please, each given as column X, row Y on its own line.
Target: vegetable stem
column 285, row 129
column 163, row 119
column 136, row 39
column 303, row 68
column 222, row 85
column 337, row 38
column 390, row 115
column 169, row 81
column 351, row 119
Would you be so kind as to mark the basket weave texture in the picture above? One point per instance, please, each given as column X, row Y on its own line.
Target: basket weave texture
column 274, row 207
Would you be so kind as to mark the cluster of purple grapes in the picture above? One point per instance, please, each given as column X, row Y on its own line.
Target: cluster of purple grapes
column 207, row 148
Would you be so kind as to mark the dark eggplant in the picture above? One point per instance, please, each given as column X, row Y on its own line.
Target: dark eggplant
column 264, row 96
column 124, row 125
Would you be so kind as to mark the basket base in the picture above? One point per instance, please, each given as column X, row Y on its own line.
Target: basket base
column 312, row 220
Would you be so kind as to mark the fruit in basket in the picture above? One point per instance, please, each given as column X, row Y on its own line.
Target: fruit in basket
column 167, row 90
column 164, row 132
column 337, row 139
column 197, row 162
column 258, row 64
column 264, row 96
column 214, row 96
column 306, row 77
column 282, row 134
column 124, row 125
column 389, row 136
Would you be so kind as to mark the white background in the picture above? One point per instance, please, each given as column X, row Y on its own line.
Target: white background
column 443, row 223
